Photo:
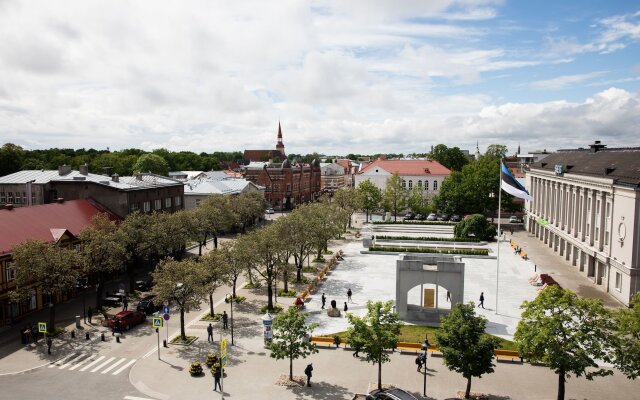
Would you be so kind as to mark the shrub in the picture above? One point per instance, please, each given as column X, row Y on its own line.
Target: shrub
column 310, row 269
column 211, row 359
column 208, row 317
column 277, row 308
column 430, row 238
column 303, row 279
column 195, row 369
column 286, row 293
column 400, row 249
column 475, row 225
column 254, row 285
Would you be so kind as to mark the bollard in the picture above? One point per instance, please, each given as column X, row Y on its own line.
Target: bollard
column 73, row 334
column 78, row 321
column 117, row 338
column 86, row 336
column 102, row 337
column 164, row 343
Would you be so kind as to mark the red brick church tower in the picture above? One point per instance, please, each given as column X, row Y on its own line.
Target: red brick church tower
column 280, row 145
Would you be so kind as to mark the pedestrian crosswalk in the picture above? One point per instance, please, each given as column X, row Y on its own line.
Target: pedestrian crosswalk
column 93, row 363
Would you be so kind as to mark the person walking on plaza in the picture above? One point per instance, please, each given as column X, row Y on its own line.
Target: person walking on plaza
column 217, row 374
column 420, row 361
column 210, row 333
column 90, row 314
column 324, row 300
column 125, row 303
column 345, row 307
column 481, row 300
column 49, row 343
column 225, row 320
column 307, row 372
column 349, row 293
column 449, row 296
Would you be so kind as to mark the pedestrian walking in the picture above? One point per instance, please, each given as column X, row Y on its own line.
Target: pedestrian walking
column 481, row 300
column 419, row 362
column 217, row 374
column 349, row 293
column 90, row 314
column 125, row 303
column 449, row 296
column 307, row 372
column 34, row 333
column 210, row 333
column 345, row 307
column 511, row 231
column 27, row 335
column 49, row 343
column 324, row 300
column 356, row 347
column 225, row 320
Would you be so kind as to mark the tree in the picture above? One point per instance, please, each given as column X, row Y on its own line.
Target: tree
column 322, row 225
column 349, row 200
column 140, row 239
column 418, row 200
column 371, row 196
column 465, row 347
column 151, row 163
column 394, row 197
column 569, row 334
column 216, row 273
column 496, row 151
column 475, row 225
column 182, row 283
column 238, row 259
column 247, row 208
column 627, row 339
column 451, row 157
column 301, row 237
column 265, row 245
column 216, row 212
column 377, row 331
column 11, row 157
column 291, row 337
column 102, row 251
column 51, row 267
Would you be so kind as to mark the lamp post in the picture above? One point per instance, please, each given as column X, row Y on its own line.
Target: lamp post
column 425, row 347
column 230, row 297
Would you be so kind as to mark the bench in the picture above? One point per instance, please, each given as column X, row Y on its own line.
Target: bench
column 412, row 347
column 508, row 356
column 524, row 255
column 322, row 341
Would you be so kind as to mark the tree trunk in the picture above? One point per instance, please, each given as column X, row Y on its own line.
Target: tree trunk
column 290, row 368
column 211, row 305
column 233, row 289
column 285, row 279
column 561, row 381
column 467, row 392
column 200, row 249
column 379, row 375
column 99, row 291
column 269, row 295
column 215, row 241
column 52, row 318
column 183, row 334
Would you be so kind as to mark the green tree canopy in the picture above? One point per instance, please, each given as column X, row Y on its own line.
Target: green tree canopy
column 371, row 196
column 151, row 163
column 496, row 151
column 394, row 196
column 627, row 335
column 451, row 157
column 291, row 337
column 216, row 273
column 569, row 334
column 376, row 332
column 11, row 158
column 465, row 347
column 475, row 225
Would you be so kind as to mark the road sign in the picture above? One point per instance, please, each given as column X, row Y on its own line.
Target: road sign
column 42, row 327
column 166, row 317
column 165, row 310
column 157, row 322
column 223, row 352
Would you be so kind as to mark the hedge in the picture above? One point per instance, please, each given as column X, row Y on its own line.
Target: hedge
column 427, row 238
column 398, row 249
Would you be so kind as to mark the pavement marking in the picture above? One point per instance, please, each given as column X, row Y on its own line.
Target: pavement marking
column 92, row 364
column 136, row 398
column 71, row 361
column 127, row 365
column 103, row 364
column 59, row 362
column 78, row 365
column 112, row 366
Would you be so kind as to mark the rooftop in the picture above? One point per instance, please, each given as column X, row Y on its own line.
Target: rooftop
column 408, row 167
column 140, row 181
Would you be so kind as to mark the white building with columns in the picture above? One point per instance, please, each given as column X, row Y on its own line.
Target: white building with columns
column 586, row 207
column 426, row 174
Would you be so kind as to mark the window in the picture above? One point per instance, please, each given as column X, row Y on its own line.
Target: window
column 404, row 184
column 167, row 202
column 426, row 185
column 288, row 187
column 24, row 197
column 597, row 232
column 17, row 198
column 157, row 204
column 177, row 201
column 10, row 197
column 410, row 184
column 435, row 185
column 606, row 238
column 146, row 206
column 618, row 281
column 197, row 202
column 3, row 197
column 10, row 272
column 133, row 207
column 420, row 184
column 608, row 210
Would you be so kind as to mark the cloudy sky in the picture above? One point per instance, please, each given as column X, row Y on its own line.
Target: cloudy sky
column 356, row 76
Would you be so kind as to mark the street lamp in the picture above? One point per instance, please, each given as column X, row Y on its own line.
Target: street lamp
column 230, row 299
column 425, row 347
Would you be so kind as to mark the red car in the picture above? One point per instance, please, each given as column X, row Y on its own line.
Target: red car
column 127, row 319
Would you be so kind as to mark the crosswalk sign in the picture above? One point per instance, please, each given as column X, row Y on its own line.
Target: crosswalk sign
column 157, row 322
column 42, row 327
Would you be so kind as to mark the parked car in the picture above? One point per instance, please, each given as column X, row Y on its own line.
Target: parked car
column 390, row 394
column 127, row 319
column 148, row 306
column 444, row 217
column 409, row 216
column 432, row 217
column 144, row 285
column 515, row 220
column 421, row 217
column 455, row 218
column 113, row 299
column 269, row 211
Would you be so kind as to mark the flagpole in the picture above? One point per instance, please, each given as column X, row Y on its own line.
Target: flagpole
column 498, row 258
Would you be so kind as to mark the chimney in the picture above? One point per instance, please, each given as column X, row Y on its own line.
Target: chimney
column 64, row 170
column 139, row 176
column 596, row 146
column 84, row 169
column 115, row 178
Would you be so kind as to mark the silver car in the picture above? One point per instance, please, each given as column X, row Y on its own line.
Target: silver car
column 390, row 394
column 432, row 217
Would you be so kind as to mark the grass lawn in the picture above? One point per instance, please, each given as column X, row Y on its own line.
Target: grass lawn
column 415, row 334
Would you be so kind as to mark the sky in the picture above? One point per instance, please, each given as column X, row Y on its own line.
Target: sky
column 341, row 76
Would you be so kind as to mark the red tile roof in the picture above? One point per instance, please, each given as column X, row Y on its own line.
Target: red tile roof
column 408, row 167
column 45, row 222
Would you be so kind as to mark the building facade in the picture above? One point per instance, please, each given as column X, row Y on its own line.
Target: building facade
column 265, row 155
column 197, row 190
column 586, row 207
column 333, row 177
column 426, row 174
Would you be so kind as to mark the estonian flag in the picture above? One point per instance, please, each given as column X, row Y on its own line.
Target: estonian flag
column 511, row 185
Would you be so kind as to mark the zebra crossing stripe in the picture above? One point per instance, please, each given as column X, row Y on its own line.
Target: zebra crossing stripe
column 103, row 364
column 92, row 364
column 71, row 361
column 112, row 366
column 78, row 365
column 127, row 365
column 59, row 362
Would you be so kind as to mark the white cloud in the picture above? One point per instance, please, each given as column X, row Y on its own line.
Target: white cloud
column 562, row 82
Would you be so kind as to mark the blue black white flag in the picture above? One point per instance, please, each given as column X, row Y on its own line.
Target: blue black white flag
column 511, row 185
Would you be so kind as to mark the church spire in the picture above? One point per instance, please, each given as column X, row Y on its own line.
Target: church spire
column 280, row 145
column 477, row 149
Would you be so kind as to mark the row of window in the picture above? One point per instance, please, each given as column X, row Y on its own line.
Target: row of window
column 157, row 204
column 16, row 198
column 426, row 185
